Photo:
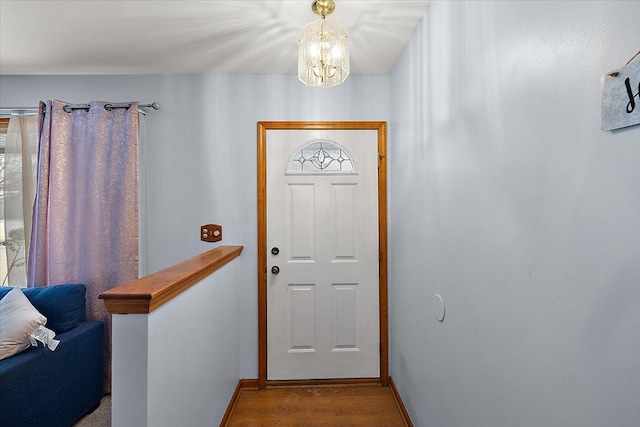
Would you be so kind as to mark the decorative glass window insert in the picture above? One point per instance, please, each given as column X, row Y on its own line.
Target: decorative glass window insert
column 321, row 156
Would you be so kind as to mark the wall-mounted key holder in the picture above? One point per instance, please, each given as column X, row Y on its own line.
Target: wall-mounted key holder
column 211, row 233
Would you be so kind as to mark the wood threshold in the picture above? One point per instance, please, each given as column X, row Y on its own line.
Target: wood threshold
column 322, row 383
column 381, row 128
column 146, row 294
column 253, row 384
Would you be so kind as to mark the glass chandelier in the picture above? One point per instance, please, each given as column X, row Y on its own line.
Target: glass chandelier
column 323, row 49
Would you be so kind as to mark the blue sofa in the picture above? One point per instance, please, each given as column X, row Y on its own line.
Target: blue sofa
column 44, row 388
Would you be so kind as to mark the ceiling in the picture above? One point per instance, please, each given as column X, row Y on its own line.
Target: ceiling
column 210, row 36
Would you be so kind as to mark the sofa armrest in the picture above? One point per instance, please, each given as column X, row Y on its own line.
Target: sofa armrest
column 54, row 388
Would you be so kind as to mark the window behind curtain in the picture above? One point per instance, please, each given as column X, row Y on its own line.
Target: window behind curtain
column 18, row 158
column 4, row 125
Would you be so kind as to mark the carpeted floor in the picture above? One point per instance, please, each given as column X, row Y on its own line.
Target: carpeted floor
column 101, row 417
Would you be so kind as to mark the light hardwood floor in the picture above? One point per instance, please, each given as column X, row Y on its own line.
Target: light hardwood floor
column 311, row 406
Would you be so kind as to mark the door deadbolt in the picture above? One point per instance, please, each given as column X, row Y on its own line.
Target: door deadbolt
column 275, row 251
column 275, row 269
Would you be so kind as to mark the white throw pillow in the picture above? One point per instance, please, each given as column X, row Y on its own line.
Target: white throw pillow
column 18, row 320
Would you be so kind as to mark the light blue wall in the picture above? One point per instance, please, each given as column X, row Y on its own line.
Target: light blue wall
column 508, row 200
column 201, row 163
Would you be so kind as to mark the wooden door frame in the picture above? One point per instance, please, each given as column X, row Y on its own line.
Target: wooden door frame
column 381, row 128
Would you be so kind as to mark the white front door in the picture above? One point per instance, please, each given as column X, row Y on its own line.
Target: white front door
column 322, row 254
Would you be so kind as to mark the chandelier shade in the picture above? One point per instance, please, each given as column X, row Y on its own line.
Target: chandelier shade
column 323, row 54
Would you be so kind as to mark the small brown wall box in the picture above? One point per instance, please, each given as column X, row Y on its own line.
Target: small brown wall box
column 211, row 233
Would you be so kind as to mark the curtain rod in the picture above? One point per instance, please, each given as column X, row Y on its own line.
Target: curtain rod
column 33, row 111
column 19, row 111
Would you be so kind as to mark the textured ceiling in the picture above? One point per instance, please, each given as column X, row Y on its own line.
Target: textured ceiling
column 169, row 37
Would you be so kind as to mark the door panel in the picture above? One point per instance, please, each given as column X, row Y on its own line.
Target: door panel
column 323, row 305
column 344, row 210
column 301, row 318
column 344, row 304
column 302, row 221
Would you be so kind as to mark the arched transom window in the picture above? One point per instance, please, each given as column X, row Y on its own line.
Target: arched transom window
column 321, row 157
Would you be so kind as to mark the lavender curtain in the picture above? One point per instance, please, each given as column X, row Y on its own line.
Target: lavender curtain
column 85, row 219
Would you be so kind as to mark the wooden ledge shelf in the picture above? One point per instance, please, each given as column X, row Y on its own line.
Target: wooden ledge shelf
column 146, row 294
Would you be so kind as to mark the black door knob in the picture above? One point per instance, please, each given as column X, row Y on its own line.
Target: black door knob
column 275, row 251
column 275, row 269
